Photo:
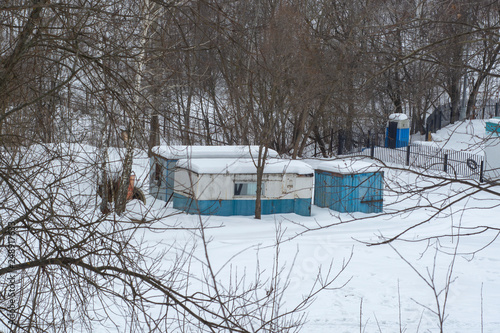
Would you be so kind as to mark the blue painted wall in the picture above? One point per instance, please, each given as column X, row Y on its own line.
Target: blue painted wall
column 402, row 137
column 492, row 128
column 242, row 207
column 349, row 193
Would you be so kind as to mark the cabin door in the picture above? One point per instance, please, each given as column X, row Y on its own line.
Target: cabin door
column 392, row 133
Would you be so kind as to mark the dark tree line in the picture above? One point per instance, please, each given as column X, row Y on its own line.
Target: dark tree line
column 288, row 74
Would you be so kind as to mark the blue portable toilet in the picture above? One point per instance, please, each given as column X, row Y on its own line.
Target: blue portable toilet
column 349, row 185
column 397, row 133
column 164, row 159
column 228, row 187
column 492, row 149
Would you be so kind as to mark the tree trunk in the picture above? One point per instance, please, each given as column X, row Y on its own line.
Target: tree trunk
column 455, row 98
column 121, row 198
column 154, row 133
column 261, row 161
column 484, row 73
column 319, row 140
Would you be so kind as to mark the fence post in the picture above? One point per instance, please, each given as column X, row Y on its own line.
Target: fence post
column 481, row 172
column 436, row 117
column 408, row 155
column 372, row 150
column 340, row 148
column 440, row 119
column 445, row 168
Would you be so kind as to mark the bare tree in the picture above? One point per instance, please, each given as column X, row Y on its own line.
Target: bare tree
column 72, row 264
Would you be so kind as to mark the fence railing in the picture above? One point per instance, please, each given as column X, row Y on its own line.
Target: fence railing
column 458, row 164
column 441, row 116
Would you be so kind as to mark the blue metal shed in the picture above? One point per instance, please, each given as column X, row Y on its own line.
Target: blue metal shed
column 349, row 186
column 493, row 127
column 228, row 187
column 164, row 160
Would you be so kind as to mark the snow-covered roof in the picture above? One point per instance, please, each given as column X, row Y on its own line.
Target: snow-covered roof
column 398, row 116
column 181, row 152
column 348, row 166
column 494, row 121
column 244, row 166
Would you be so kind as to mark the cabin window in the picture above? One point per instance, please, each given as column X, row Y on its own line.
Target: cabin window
column 247, row 189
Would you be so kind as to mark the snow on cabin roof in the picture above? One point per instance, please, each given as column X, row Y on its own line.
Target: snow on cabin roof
column 348, row 167
column 181, row 152
column 398, row 116
column 244, row 166
column 494, row 121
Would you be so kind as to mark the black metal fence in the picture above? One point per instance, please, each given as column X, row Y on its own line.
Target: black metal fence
column 458, row 164
column 441, row 116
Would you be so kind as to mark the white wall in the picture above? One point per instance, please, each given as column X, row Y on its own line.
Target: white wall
column 492, row 156
column 215, row 187
column 221, row 187
column 185, row 182
column 303, row 186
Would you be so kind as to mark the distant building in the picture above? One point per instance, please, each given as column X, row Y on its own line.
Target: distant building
column 349, row 186
column 492, row 149
column 228, row 187
column 164, row 161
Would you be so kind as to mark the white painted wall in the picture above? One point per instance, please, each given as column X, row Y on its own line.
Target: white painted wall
column 185, row 182
column 221, row 186
column 214, row 187
column 303, row 187
column 492, row 156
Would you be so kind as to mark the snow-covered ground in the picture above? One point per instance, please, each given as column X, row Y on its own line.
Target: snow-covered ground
column 463, row 136
column 381, row 290
column 384, row 288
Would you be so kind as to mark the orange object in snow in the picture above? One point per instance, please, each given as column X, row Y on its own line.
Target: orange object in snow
column 130, row 191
